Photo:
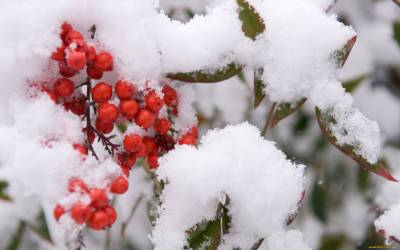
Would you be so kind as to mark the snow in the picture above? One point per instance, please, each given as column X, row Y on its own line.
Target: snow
column 226, row 162
column 389, row 222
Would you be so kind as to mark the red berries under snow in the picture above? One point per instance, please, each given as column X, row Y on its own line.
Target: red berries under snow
column 132, row 106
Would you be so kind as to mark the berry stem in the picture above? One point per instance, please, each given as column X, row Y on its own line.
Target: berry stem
column 87, row 117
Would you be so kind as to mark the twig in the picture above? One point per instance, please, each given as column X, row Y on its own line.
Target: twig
column 269, row 119
column 133, row 210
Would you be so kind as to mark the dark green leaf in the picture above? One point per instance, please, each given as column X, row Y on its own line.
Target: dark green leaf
column 318, row 201
column 3, row 194
column 40, row 228
column 252, row 23
column 15, row 241
column 286, row 109
column 259, row 87
column 209, row 233
column 362, row 179
column 396, row 32
column 207, row 76
column 122, row 127
column 352, row 84
column 332, row 242
column 342, row 54
column 324, row 121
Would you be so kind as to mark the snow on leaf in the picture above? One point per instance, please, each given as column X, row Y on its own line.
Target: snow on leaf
column 324, row 121
column 252, row 23
column 205, row 76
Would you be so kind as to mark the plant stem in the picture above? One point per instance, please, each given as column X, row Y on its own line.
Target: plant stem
column 133, row 210
column 269, row 119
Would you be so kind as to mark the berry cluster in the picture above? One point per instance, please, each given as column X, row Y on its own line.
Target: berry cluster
column 104, row 106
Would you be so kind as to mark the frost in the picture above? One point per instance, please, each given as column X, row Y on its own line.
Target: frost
column 225, row 163
column 389, row 222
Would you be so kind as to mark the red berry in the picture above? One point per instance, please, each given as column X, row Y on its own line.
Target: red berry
column 124, row 89
column 126, row 159
column 81, row 149
column 76, row 60
column 73, row 35
column 107, row 112
column 150, row 145
column 64, row 87
column 80, row 213
column 104, row 128
column 170, row 96
column 187, row 139
column 99, row 220
column 133, row 143
column 120, row 185
column 166, row 142
column 58, row 212
column 128, row 108
column 162, row 126
column 152, row 161
column 77, row 185
column 94, row 73
column 141, row 152
column 65, row 29
column 145, row 118
column 194, row 131
column 112, row 215
column 125, row 170
column 102, row 92
column 153, row 102
column 64, row 70
column 98, row 197
column 90, row 54
column 103, row 62
column 59, row 54
column 77, row 105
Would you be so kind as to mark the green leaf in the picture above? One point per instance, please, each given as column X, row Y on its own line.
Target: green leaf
column 352, row 84
column 207, row 76
column 396, row 32
column 286, row 109
column 342, row 54
column 40, row 228
column 122, row 127
column 3, row 188
column 332, row 242
column 252, row 23
column 324, row 121
column 16, row 240
column 318, row 201
column 259, row 87
column 207, row 235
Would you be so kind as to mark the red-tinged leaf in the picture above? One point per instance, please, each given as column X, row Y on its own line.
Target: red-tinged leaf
column 207, row 76
column 259, row 87
column 324, row 121
column 252, row 23
column 293, row 216
column 286, row 109
column 342, row 54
